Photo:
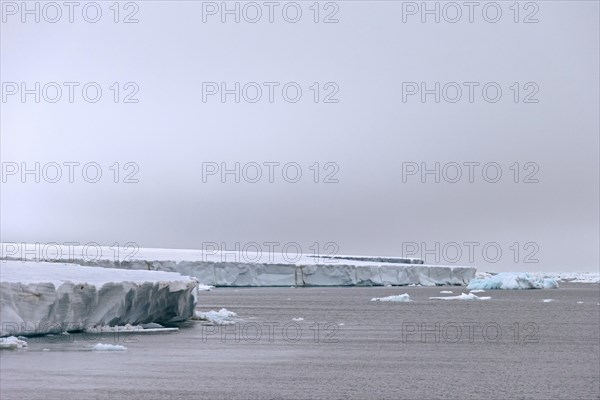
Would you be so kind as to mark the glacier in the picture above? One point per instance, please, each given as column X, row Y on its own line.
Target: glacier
column 248, row 269
column 40, row 298
column 511, row 280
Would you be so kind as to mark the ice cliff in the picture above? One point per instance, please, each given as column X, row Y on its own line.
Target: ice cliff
column 512, row 280
column 230, row 268
column 40, row 298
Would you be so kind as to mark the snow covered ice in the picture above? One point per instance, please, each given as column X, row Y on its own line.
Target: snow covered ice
column 511, row 280
column 403, row 298
column 575, row 277
column 232, row 268
column 41, row 298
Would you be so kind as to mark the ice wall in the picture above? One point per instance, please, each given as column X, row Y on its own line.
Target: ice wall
column 40, row 298
column 251, row 269
column 513, row 280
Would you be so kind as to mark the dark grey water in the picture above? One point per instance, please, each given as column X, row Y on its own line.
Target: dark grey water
column 511, row 347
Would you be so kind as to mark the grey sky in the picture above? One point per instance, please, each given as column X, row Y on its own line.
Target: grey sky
column 370, row 133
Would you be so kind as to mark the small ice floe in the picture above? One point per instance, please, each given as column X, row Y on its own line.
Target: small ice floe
column 205, row 288
column 341, row 324
column 108, row 347
column 580, row 302
column 477, row 291
column 399, row 298
column 462, row 296
column 548, row 300
column 221, row 317
column 446, row 292
column 12, row 343
column 298, row 319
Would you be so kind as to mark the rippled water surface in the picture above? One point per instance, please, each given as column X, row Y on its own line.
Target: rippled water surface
column 512, row 346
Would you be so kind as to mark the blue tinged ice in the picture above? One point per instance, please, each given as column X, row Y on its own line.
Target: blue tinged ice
column 512, row 280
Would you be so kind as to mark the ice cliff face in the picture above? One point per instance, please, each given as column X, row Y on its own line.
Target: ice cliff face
column 40, row 298
column 234, row 268
column 512, row 280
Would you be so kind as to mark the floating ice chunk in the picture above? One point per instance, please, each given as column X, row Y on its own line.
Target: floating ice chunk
column 109, row 347
column 462, row 296
column 477, row 291
column 205, row 288
column 12, row 343
column 298, row 319
column 548, row 300
column 221, row 317
column 399, row 298
column 511, row 280
column 446, row 292
column 580, row 302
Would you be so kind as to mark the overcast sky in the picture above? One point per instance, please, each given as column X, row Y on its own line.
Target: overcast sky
column 370, row 130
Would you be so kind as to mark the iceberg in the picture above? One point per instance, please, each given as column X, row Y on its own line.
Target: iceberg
column 42, row 298
column 511, row 280
column 247, row 269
